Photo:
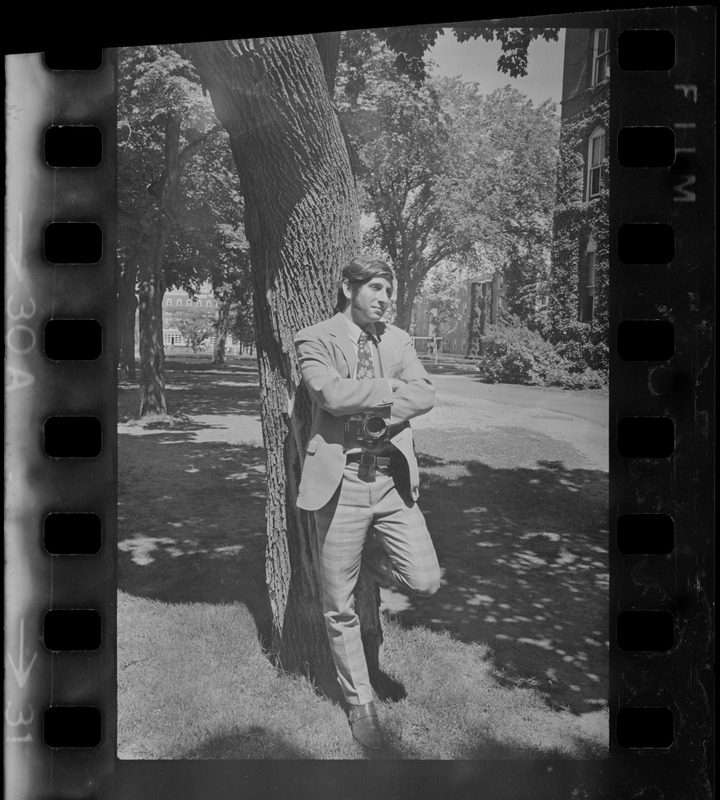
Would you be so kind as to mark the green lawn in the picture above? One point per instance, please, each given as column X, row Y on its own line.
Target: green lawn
column 509, row 659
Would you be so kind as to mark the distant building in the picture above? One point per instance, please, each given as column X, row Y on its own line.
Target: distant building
column 178, row 300
column 476, row 303
column 579, row 271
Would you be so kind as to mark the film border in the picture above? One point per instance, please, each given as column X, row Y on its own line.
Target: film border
column 681, row 390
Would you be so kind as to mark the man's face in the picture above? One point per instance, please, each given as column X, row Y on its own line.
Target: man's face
column 369, row 301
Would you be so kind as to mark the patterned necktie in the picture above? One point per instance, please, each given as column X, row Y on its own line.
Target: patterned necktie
column 365, row 369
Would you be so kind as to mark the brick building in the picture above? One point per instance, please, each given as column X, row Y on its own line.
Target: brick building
column 178, row 300
column 579, row 274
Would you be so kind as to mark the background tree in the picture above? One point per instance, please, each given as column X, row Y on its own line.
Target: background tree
column 408, row 159
column 302, row 223
column 164, row 122
column 449, row 175
column 275, row 99
column 196, row 326
column 513, row 154
column 209, row 244
column 241, row 322
column 127, row 297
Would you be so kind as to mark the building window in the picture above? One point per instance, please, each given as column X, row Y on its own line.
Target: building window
column 601, row 56
column 209, row 303
column 188, row 302
column 596, row 155
column 587, row 283
column 179, row 302
column 168, row 302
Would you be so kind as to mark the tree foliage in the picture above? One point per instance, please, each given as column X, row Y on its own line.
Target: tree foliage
column 410, row 44
column 510, row 203
column 179, row 199
column 451, row 175
column 514, row 353
column 195, row 325
column 158, row 93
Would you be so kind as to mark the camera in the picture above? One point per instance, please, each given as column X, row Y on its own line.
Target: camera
column 367, row 428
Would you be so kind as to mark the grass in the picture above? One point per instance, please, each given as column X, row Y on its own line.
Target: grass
column 508, row 660
column 195, row 685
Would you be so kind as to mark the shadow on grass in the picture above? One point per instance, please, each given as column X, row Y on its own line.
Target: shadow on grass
column 191, row 522
column 249, row 743
column 199, row 387
column 523, row 550
column 525, row 570
column 192, row 529
column 256, row 742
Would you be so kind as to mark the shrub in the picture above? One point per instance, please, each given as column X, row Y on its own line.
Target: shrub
column 569, row 379
column 513, row 353
column 582, row 345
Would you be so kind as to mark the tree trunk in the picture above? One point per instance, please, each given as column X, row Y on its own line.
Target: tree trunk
column 127, row 309
column 221, row 327
column 151, row 286
column 302, row 223
column 406, row 291
column 152, row 349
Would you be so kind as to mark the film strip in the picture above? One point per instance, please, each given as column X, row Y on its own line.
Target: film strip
column 61, row 464
column 60, row 411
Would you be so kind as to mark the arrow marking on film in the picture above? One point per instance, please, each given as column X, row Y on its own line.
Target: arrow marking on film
column 21, row 674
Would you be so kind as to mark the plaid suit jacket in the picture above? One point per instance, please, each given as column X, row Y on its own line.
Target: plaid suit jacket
column 327, row 361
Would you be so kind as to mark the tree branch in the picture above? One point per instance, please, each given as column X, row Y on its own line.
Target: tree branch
column 192, row 147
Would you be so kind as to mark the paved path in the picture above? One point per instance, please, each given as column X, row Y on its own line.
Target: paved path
column 591, row 405
column 579, row 418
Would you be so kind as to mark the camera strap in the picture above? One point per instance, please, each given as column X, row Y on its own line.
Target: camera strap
column 366, row 472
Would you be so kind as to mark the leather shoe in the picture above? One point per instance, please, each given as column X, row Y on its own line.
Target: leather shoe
column 365, row 726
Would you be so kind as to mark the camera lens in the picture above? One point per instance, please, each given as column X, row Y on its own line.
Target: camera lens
column 374, row 427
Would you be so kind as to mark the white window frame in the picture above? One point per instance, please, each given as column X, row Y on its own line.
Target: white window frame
column 601, row 57
column 587, row 282
column 595, row 166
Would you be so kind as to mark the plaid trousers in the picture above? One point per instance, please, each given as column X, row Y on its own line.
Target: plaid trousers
column 407, row 556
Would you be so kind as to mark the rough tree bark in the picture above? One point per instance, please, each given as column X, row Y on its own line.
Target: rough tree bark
column 405, row 297
column 151, row 288
column 302, row 224
column 127, row 297
column 127, row 309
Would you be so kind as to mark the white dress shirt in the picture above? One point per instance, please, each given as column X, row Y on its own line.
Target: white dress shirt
column 354, row 332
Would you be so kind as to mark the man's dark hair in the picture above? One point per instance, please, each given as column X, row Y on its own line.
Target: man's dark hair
column 360, row 270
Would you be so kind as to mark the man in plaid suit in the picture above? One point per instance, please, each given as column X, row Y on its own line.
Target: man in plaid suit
column 360, row 473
